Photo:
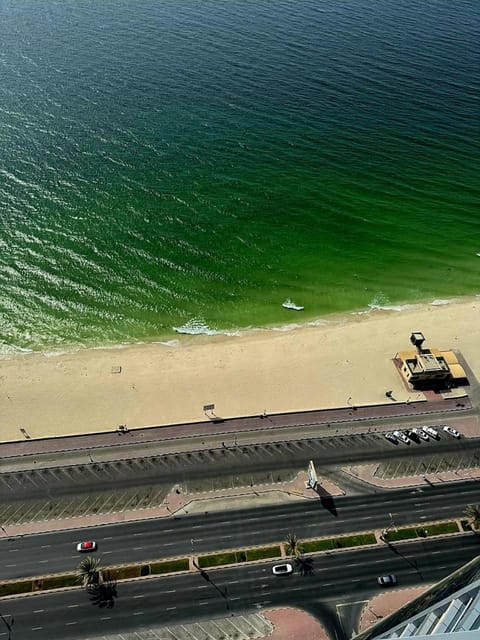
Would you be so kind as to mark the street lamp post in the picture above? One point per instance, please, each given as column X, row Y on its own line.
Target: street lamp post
column 193, row 555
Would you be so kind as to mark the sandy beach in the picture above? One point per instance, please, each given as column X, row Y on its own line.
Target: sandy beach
column 336, row 363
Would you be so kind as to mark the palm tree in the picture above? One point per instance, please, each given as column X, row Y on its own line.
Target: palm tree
column 89, row 572
column 292, row 545
column 472, row 511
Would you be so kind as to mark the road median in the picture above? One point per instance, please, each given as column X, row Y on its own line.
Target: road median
column 229, row 558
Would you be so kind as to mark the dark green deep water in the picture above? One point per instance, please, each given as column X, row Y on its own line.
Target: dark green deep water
column 196, row 162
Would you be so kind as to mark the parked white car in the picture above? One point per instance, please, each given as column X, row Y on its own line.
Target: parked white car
column 402, row 437
column 421, row 433
column 451, row 431
column 431, row 432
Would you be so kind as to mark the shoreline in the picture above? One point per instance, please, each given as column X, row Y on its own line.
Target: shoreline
column 318, row 365
column 185, row 339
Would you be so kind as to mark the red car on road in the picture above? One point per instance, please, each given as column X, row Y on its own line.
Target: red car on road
column 89, row 545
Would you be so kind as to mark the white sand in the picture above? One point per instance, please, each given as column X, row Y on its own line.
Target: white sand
column 347, row 361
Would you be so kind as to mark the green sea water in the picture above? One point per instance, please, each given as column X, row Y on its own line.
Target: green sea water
column 194, row 164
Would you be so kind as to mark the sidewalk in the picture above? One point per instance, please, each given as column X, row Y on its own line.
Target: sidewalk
column 233, row 426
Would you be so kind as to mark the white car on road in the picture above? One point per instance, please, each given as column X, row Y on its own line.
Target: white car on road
column 282, row 569
column 451, row 431
column 401, row 436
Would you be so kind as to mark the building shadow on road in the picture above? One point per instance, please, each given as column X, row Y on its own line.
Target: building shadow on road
column 326, row 499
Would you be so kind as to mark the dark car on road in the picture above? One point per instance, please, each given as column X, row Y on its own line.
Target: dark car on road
column 387, row 581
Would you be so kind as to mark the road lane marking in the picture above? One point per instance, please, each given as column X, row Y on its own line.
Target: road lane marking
column 137, row 548
column 106, row 618
column 234, row 582
column 141, row 596
column 45, row 546
column 107, row 538
column 39, row 611
column 36, row 628
column 172, row 608
column 105, row 552
column 203, row 603
column 10, row 565
column 43, row 561
column 12, row 550
column 171, row 591
column 138, row 613
column 69, row 624
column 72, row 606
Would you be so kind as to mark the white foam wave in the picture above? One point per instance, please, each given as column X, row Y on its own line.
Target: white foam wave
column 287, row 327
column 170, row 343
column 439, row 303
column 381, row 303
column 196, row 326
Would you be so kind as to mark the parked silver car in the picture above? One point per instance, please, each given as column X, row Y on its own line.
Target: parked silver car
column 431, row 432
column 402, row 437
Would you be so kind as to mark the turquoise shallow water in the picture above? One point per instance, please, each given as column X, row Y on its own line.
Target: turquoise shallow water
column 194, row 164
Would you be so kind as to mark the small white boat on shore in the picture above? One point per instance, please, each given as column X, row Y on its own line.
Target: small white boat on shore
column 288, row 304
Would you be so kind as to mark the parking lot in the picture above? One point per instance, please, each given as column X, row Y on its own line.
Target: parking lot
column 247, row 627
column 138, row 483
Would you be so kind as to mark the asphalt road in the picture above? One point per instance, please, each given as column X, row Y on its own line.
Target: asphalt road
column 53, row 483
column 337, row 578
column 154, row 539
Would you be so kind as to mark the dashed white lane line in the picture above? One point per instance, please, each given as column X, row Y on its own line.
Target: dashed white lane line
column 45, row 546
column 202, row 603
column 39, row 611
column 10, row 565
column 69, row 624
column 141, row 596
column 36, row 628
column 72, row 606
column 12, row 550
column 108, row 538
column 138, row 613
column 106, row 618
column 170, row 608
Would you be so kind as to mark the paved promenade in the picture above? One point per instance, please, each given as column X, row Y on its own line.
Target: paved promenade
column 325, row 417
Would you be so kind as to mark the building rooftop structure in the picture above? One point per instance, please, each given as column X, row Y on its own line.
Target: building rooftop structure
column 450, row 610
column 424, row 368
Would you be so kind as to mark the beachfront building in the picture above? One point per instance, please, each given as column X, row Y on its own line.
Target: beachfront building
column 426, row 368
column 450, row 610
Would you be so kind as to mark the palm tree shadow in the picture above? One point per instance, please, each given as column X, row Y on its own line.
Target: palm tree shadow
column 304, row 565
column 103, row 595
